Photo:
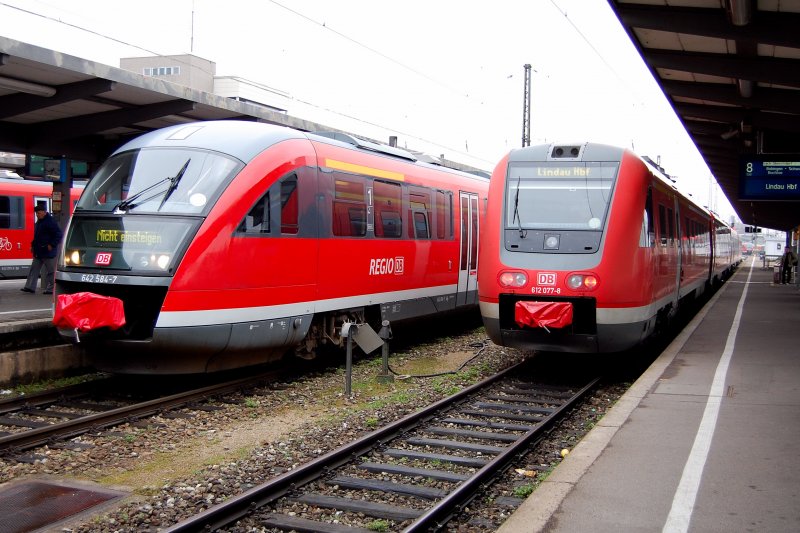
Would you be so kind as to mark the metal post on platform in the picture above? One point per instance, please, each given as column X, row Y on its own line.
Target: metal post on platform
column 348, row 373
column 386, row 334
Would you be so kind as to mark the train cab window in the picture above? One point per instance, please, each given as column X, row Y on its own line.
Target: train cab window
column 289, row 206
column 644, row 233
column 12, row 212
column 257, row 219
column 349, row 208
column 387, row 199
column 647, row 238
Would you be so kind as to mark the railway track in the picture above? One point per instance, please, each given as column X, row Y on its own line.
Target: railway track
column 54, row 417
column 412, row 475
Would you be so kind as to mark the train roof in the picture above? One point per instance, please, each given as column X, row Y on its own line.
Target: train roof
column 577, row 151
column 241, row 139
column 245, row 140
column 22, row 182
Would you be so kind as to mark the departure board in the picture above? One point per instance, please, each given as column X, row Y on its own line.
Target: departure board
column 770, row 177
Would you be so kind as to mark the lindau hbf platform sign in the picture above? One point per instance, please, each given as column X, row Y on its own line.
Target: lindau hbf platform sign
column 770, row 177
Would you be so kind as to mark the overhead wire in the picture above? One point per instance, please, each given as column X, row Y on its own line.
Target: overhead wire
column 297, row 13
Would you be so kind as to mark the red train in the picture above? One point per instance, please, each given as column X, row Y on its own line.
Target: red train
column 18, row 198
column 230, row 242
column 589, row 248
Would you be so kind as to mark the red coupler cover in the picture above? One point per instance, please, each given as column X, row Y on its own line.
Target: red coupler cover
column 86, row 311
column 543, row 314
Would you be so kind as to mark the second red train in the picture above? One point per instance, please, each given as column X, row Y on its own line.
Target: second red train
column 590, row 248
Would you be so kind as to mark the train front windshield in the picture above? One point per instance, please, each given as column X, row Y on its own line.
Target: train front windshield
column 141, row 207
column 158, row 180
column 559, row 195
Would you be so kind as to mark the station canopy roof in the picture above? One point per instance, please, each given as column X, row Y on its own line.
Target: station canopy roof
column 731, row 71
column 57, row 105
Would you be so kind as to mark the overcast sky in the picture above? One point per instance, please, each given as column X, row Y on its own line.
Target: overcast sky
column 445, row 76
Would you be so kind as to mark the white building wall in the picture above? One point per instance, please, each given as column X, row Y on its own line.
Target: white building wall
column 249, row 91
column 192, row 71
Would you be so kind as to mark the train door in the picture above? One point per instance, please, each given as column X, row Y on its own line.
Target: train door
column 678, row 252
column 468, row 263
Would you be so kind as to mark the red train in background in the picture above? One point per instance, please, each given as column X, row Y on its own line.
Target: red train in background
column 18, row 197
column 231, row 242
column 590, row 248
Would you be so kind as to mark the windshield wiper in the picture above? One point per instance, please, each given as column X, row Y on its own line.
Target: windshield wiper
column 128, row 204
column 522, row 233
column 173, row 184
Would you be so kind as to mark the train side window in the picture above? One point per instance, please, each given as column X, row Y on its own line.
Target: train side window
column 388, row 199
column 421, row 225
column 12, row 215
column 662, row 224
column 440, row 217
column 257, row 219
column 349, row 208
column 289, row 205
column 419, row 203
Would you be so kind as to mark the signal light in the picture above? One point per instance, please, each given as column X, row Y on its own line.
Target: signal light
column 582, row 282
column 512, row 279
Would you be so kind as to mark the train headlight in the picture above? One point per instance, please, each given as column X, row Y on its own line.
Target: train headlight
column 513, row 279
column 582, row 282
column 72, row 258
column 153, row 261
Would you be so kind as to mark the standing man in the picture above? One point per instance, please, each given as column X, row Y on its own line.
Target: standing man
column 46, row 236
column 788, row 262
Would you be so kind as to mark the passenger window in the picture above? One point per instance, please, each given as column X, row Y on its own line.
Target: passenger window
column 420, row 225
column 419, row 203
column 349, row 209
column 257, row 220
column 12, row 214
column 388, row 198
column 444, row 215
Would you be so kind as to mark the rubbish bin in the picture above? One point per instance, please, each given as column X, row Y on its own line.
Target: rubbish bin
column 776, row 274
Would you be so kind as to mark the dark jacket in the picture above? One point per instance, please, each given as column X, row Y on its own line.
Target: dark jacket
column 46, row 231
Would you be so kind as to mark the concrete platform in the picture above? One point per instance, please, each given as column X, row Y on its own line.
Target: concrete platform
column 708, row 439
column 25, row 316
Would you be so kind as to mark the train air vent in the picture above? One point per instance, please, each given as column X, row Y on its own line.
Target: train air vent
column 367, row 145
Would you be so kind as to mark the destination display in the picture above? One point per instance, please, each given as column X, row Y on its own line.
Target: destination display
column 770, row 177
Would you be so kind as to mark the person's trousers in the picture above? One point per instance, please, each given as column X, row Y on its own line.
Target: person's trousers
column 786, row 274
column 47, row 268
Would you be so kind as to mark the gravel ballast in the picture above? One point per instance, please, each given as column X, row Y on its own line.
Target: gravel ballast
column 176, row 467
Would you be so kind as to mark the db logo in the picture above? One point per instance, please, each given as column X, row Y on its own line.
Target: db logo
column 387, row 265
column 546, row 278
column 103, row 258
